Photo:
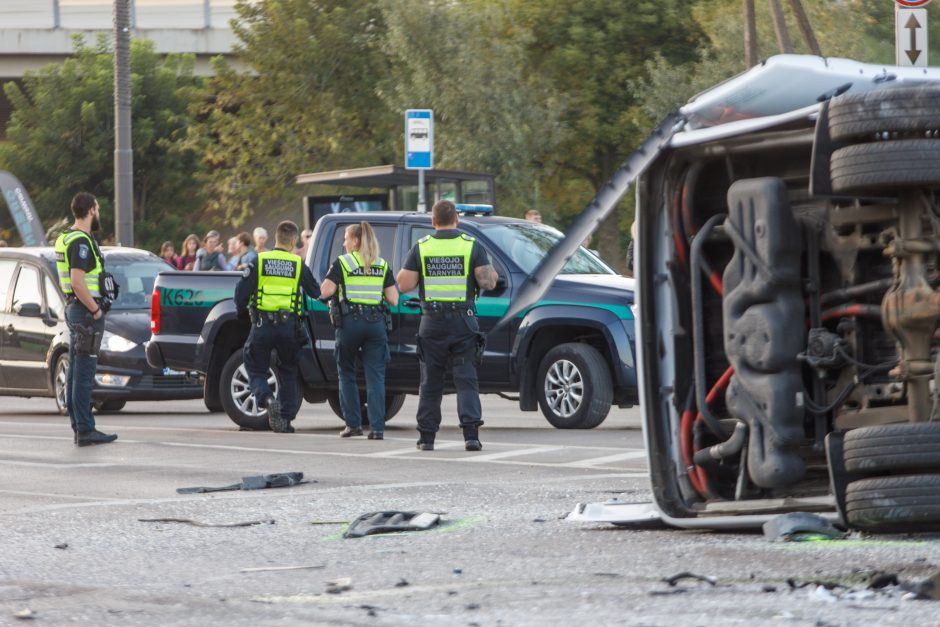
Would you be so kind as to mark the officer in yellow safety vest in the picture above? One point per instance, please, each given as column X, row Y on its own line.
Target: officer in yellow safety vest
column 271, row 294
column 450, row 267
column 81, row 267
column 362, row 287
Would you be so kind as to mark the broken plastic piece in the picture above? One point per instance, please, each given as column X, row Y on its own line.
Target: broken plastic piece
column 256, row 482
column 390, row 522
column 339, row 585
column 266, row 569
column 61, row 545
column 25, row 614
column 927, row 588
column 800, row 527
column 672, row 581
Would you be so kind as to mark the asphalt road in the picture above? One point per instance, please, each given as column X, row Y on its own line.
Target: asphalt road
column 502, row 555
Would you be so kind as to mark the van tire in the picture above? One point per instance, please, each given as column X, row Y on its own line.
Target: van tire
column 393, row 404
column 894, row 504
column 893, row 449
column 885, row 167
column 864, row 116
column 566, row 371
column 236, row 396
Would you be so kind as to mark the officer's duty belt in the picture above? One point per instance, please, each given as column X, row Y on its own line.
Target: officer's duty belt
column 447, row 310
column 72, row 298
column 366, row 310
column 281, row 316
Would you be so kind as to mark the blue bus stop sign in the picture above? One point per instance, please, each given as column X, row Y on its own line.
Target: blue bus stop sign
column 419, row 139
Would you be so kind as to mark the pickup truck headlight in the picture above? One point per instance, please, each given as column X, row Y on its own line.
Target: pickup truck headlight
column 116, row 343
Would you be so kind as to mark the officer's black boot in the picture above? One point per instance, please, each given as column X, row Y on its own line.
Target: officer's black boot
column 426, row 441
column 471, row 439
column 275, row 421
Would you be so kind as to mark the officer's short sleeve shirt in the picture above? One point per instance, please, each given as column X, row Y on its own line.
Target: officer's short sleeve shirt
column 81, row 255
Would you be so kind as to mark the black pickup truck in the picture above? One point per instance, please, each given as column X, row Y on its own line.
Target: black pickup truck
column 571, row 354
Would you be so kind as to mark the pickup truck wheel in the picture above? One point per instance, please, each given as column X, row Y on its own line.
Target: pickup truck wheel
column 878, row 167
column 901, row 503
column 111, row 405
column 60, row 377
column 393, row 404
column 574, row 387
column 235, row 392
column 893, row 449
column 905, row 110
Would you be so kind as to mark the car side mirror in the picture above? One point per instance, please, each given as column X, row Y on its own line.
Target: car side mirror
column 28, row 310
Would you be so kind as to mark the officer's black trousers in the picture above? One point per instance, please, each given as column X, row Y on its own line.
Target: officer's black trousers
column 450, row 339
column 286, row 339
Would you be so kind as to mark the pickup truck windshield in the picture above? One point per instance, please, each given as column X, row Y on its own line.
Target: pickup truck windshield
column 136, row 277
column 527, row 245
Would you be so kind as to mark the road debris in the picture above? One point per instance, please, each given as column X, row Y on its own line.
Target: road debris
column 402, row 583
column 61, row 545
column 255, row 482
column 329, row 522
column 25, row 614
column 926, row 588
column 196, row 523
column 672, row 581
column 390, row 522
column 339, row 585
column 801, row 527
column 266, row 569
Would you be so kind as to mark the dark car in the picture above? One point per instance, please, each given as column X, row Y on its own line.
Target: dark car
column 34, row 339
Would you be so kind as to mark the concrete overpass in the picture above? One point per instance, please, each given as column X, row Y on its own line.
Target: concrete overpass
column 34, row 33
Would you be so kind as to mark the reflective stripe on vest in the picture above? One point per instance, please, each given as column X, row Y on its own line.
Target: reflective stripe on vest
column 445, row 267
column 92, row 277
column 278, row 281
column 361, row 288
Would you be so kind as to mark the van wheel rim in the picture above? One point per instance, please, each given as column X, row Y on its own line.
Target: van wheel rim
column 61, row 382
column 564, row 388
column 241, row 392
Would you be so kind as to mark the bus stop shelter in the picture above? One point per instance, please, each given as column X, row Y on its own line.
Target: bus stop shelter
column 400, row 187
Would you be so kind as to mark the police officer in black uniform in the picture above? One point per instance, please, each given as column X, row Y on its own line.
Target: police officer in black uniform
column 81, row 274
column 450, row 267
column 273, row 288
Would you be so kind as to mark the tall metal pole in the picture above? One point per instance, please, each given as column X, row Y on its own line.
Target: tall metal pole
column 780, row 27
column 422, row 200
column 123, row 153
column 750, row 34
column 807, row 29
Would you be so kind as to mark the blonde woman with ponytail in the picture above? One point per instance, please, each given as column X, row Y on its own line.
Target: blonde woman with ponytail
column 361, row 287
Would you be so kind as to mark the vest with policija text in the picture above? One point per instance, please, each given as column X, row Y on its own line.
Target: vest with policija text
column 92, row 277
column 445, row 267
column 278, row 281
column 363, row 286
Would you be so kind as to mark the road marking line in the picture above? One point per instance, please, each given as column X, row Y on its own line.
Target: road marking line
column 531, row 451
column 88, row 500
column 597, row 461
column 11, row 462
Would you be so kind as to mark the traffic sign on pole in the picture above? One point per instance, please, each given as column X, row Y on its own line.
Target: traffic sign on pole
column 910, row 36
column 419, row 139
column 911, row 4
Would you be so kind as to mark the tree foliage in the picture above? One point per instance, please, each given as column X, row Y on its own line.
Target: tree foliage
column 61, row 137
column 307, row 102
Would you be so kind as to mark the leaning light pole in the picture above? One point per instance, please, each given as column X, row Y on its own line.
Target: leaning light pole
column 123, row 152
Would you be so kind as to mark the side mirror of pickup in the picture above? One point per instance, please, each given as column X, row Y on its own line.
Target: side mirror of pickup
column 28, row 310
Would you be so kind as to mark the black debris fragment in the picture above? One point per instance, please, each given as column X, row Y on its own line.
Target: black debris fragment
column 196, row 523
column 663, row 593
column 458, row 571
column 800, row 526
column 339, row 585
column 370, row 610
column 672, row 581
column 611, row 575
column 61, row 545
column 390, row 522
column 402, row 583
column 538, row 520
column 255, row 482
column 769, row 589
column 472, row 606
column 881, row 580
column 828, row 585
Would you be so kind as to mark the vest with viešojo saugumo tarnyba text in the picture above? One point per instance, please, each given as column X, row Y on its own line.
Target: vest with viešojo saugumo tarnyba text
column 278, row 282
column 445, row 267
column 92, row 277
column 362, row 286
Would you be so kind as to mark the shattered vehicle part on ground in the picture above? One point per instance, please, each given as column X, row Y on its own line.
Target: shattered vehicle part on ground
column 788, row 266
column 390, row 522
column 254, row 482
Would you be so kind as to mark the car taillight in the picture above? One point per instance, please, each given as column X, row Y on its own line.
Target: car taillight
column 155, row 311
